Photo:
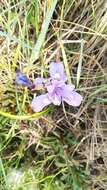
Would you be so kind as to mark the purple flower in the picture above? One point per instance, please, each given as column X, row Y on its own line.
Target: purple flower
column 40, row 102
column 40, row 83
column 57, row 90
column 57, row 71
column 21, row 79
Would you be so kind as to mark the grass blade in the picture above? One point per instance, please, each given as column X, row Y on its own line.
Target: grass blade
column 2, row 171
column 42, row 35
column 24, row 117
column 80, row 63
column 65, row 63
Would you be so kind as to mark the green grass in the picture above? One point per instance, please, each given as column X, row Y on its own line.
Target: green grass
column 60, row 148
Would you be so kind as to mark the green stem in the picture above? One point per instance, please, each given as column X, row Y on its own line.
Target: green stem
column 24, row 117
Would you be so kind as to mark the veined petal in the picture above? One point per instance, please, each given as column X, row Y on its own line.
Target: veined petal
column 55, row 91
column 71, row 97
column 55, row 85
column 40, row 102
column 50, row 88
column 57, row 71
column 55, row 99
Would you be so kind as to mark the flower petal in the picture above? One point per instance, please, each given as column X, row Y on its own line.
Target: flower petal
column 22, row 79
column 39, row 82
column 50, row 88
column 55, row 99
column 55, row 85
column 57, row 71
column 54, row 91
column 40, row 102
column 71, row 97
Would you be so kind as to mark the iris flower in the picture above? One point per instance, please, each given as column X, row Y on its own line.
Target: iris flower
column 57, row 89
column 22, row 79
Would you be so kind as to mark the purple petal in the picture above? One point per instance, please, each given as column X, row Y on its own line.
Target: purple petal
column 55, row 99
column 71, row 97
column 55, row 91
column 50, row 88
column 40, row 102
column 39, row 82
column 57, row 71
column 22, row 79
column 68, row 87
column 55, row 85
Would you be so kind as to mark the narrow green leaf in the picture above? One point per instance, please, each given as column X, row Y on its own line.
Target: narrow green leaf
column 24, row 117
column 42, row 35
column 2, row 170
